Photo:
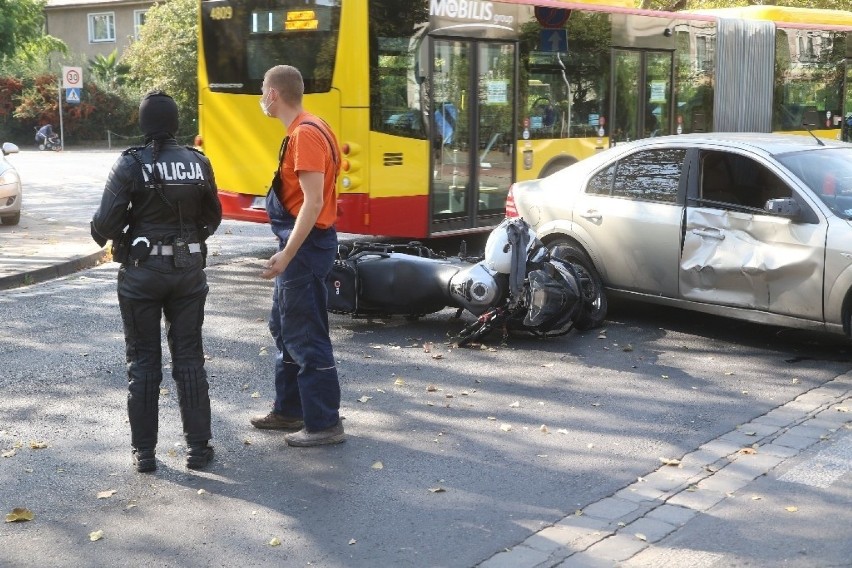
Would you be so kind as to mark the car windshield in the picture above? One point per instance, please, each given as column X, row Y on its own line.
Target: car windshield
column 828, row 172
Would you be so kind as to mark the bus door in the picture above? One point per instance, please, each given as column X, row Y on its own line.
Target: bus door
column 642, row 94
column 472, row 130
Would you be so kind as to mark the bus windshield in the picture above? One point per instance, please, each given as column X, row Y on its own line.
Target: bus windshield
column 244, row 38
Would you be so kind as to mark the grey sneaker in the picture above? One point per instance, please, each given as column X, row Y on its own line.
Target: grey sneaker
column 274, row 421
column 305, row 439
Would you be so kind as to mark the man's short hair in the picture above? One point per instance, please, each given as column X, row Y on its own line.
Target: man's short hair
column 287, row 80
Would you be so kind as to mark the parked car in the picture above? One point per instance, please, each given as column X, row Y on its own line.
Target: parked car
column 10, row 188
column 752, row 226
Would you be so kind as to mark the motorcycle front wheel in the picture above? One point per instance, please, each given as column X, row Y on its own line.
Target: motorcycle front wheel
column 594, row 299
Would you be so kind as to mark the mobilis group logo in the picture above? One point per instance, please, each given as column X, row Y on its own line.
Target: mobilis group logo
column 462, row 9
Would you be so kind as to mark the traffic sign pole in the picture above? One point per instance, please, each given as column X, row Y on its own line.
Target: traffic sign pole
column 61, row 124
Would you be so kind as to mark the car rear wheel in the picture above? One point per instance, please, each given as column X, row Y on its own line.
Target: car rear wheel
column 595, row 303
column 11, row 219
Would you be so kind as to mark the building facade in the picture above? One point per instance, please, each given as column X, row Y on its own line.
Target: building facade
column 95, row 27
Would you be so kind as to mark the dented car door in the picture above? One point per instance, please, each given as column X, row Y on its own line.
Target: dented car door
column 735, row 254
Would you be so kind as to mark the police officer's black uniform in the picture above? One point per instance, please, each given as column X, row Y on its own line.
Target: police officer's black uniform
column 165, row 195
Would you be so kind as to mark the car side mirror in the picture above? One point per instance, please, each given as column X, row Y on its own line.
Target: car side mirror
column 783, row 207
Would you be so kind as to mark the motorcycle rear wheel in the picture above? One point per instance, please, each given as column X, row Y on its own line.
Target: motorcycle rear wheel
column 594, row 298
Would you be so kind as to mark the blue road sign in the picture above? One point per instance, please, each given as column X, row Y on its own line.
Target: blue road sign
column 554, row 40
column 72, row 96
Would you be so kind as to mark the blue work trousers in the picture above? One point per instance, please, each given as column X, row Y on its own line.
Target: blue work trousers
column 306, row 383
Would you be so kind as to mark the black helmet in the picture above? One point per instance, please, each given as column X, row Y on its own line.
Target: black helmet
column 158, row 115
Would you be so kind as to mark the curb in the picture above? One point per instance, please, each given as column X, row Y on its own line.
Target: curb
column 55, row 271
column 618, row 528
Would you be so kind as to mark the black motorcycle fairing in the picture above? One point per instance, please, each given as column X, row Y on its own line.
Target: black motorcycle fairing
column 398, row 283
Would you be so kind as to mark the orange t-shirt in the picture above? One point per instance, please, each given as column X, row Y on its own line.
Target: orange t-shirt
column 309, row 151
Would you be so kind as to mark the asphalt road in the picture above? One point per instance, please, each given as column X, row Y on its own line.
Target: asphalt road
column 453, row 455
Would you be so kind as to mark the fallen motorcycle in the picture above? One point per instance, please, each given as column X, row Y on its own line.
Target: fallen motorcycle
column 518, row 285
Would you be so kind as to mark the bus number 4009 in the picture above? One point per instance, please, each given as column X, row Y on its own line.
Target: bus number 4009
column 221, row 13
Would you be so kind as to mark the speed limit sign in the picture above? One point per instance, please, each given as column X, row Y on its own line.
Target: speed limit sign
column 72, row 77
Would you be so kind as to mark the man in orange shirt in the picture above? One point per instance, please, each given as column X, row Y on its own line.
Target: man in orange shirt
column 302, row 207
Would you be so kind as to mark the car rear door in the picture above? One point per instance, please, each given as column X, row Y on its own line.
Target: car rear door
column 630, row 217
column 736, row 254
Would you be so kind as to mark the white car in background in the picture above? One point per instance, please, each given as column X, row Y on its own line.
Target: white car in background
column 10, row 188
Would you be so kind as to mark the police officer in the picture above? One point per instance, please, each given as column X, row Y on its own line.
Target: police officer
column 159, row 205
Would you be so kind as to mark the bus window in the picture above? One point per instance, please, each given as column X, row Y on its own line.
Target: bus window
column 567, row 93
column 809, row 79
column 242, row 40
column 395, row 76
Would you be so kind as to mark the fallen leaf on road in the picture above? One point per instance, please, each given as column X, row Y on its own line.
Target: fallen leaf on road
column 255, row 394
column 352, row 541
column 437, row 356
column 399, row 382
column 262, row 351
column 791, row 509
column 106, row 494
column 562, row 431
column 437, row 490
column 492, row 418
column 378, row 465
column 547, row 365
column 747, row 451
column 19, row 514
column 627, row 348
column 37, row 445
column 9, row 454
column 365, row 398
column 275, row 542
column 543, row 428
column 641, row 537
column 515, row 404
column 670, row 461
column 756, row 497
column 96, row 535
column 247, row 442
column 506, row 427
column 202, row 491
column 164, row 392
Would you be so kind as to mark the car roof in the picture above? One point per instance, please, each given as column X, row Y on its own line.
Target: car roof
column 754, row 141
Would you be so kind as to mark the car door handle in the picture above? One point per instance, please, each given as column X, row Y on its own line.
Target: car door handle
column 591, row 215
column 709, row 233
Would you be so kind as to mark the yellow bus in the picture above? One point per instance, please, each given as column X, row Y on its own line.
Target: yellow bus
column 440, row 105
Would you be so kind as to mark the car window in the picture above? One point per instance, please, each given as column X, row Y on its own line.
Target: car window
column 650, row 175
column 828, row 172
column 601, row 182
column 733, row 181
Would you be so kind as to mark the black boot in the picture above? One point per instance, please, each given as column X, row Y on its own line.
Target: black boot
column 144, row 460
column 198, row 455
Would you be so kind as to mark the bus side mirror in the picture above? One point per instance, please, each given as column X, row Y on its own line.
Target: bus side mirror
column 784, row 207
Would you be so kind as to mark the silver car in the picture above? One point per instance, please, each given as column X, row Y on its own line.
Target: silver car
column 10, row 188
column 752, row 226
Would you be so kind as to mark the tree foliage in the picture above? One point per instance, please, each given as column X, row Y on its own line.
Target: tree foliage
column 166, row 57
column 108, row 70
column 22, row 37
